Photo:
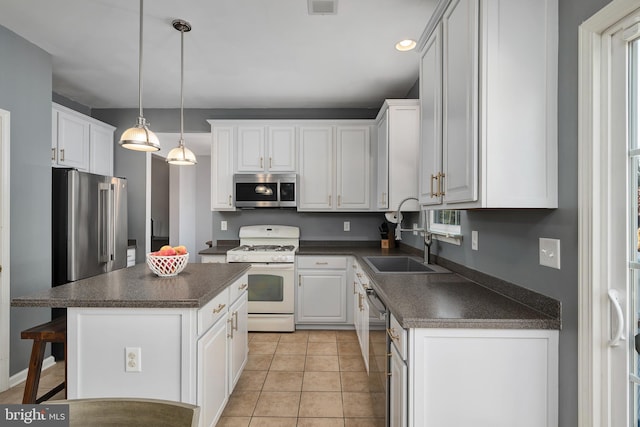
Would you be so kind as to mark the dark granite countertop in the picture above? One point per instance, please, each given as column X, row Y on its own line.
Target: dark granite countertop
column 137, row 286
column 463, row 299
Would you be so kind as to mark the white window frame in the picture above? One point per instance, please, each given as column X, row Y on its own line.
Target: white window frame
column 444, row 232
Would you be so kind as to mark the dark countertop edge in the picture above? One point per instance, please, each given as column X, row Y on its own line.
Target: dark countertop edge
column 483, row 323
column 26, row 301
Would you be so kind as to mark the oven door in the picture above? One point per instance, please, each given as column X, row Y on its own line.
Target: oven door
column 271, row 288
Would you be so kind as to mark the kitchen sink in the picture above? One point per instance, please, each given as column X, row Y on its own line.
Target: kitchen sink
column 402, row 265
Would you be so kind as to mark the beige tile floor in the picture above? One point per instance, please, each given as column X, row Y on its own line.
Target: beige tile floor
column 50, row 378
column 304, row 379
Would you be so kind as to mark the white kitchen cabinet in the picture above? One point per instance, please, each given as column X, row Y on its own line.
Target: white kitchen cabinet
column 335, row 172
column 266, row 149
column 213, row 383
column 101, row 150
column 398, row 127
column 222, row 168
column 484, row 377
column 81, row 142
column 238, row 335
column 397, row 389
column 498, row 92
column 353, row 174
column 322, row 290
column 315, row 184
column 361, row 311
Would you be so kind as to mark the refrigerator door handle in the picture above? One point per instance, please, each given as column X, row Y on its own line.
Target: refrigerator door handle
column 104, row 202
column 112, row 222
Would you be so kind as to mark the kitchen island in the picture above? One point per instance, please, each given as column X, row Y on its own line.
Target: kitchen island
column 133, row 334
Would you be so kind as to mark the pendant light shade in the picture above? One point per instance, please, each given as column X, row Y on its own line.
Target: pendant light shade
column 140, row 137
column 181, row 155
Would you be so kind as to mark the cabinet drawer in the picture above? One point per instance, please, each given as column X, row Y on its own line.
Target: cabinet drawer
column 329, row 262
column 398, row 336
column 237, row 288
column 212, row 311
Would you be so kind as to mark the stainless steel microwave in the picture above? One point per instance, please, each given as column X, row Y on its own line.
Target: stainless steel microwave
column 265, row 190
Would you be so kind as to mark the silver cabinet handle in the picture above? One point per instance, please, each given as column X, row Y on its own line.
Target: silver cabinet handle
column 235, row 316
column 270, row 162
column 392, row 334
column 242, row 287
column 322, row 263
column 299, row 280
column 53, row 154
column 62, row 154
column 229, row 199
column 261, row 162
column 219, row 308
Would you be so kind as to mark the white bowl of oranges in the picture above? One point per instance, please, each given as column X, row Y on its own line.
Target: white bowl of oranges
column 168, row 261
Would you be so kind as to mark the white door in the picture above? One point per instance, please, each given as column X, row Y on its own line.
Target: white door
column 4, row 249
column 316, row 168
column 382, row 195
column 352, row 159
column 282, row 149
column 222, row 169
column 250, row 149
column 609, row 183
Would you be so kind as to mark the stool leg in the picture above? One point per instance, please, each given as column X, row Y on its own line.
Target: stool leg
column 65, row 368
column 33, row 375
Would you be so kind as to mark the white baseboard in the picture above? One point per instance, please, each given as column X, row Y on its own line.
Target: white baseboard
column 21, row 376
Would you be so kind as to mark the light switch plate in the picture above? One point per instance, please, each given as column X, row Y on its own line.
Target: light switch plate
column 347, row 226
column 133, row 359
column 223, row 225
column 474, row 240
column 550, row 252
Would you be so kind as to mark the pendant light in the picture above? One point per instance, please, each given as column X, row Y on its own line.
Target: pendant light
column 140, row 137
column 181, row 155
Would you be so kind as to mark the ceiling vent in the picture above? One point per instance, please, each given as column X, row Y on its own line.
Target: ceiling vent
column 323, row 7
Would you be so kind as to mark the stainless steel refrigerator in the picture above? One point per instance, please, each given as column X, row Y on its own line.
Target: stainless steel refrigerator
column 89, row 223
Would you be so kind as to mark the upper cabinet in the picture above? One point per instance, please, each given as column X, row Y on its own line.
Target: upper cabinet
column 488, row 93
column 81, row 142
column 266, row 149
column 398, row 128
column 335, row 171
column 222, row 167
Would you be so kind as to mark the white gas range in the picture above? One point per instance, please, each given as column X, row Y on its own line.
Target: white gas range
column 271, row 251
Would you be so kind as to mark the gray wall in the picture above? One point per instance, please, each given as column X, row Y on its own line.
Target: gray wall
column 25, row 91
column 159, row 197
column 508, row 239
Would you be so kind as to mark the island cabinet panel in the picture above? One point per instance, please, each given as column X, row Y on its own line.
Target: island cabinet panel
column 497, row 378
column 212, row 381
column 97, row 339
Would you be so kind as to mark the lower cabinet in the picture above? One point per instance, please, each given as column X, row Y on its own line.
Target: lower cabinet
column 213, row 389
column 238, row 333
column 397, row 389
column 321, row 290
column 481, row 377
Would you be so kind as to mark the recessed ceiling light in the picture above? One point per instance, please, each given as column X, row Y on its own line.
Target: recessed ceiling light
column 405, row 45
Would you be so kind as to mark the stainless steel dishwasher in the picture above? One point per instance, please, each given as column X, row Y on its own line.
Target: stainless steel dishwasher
column 378, row 350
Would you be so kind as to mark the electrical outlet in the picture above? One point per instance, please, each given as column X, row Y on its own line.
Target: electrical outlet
column 133, row 360
column 347, row 226
column 415, row 226
column 223, row 225
column 474, row 240
column 550, row 253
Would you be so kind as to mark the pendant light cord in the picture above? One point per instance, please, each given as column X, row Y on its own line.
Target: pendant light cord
column 140, row 61
column 182, row 87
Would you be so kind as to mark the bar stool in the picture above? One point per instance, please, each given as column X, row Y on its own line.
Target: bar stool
column 54, row 331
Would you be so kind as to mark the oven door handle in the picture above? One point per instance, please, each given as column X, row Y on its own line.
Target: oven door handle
column 274, row 266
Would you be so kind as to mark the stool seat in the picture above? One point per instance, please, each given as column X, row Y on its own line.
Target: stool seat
column 54, row 331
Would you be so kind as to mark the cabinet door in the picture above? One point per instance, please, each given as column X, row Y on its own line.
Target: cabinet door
column 460, row 101
column 101, row 151
column 212, row 373
column 239, row 339
column 214, row 259
column 282, row 152
column 431, row 119
column 316, row 168
column 222, row 169
column 382, row 194
column 353, row 178
column 398, row 390
column 73, row 141
column 250, row 149
column 322, row 297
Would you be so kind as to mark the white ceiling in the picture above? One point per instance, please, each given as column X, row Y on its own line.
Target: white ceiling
column 240, row 53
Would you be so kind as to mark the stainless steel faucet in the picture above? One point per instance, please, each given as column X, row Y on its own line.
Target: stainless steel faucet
column 423, row 229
